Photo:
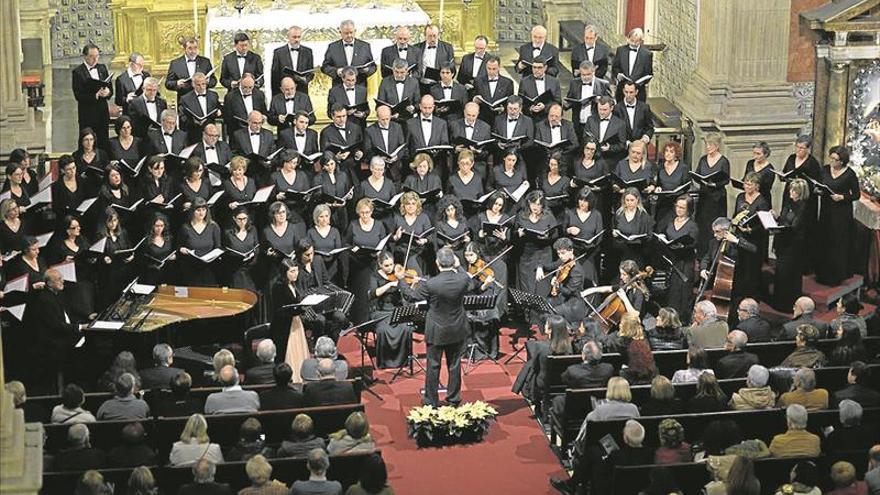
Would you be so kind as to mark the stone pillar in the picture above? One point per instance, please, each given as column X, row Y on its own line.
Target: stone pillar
column 739, row 88
column 835, row 106
column 560, row 10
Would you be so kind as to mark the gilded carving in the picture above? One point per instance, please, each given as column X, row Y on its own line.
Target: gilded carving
column 171, row 33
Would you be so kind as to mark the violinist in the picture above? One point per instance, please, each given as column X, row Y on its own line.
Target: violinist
column 630, row 289
column 566, row 282
column 393, row 342
column 485, row 321
column 726, row 243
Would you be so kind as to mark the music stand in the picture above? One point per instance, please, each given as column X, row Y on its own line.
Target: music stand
column 362, row 340
column 526, row 301
column 474, row 303
column 409, row 314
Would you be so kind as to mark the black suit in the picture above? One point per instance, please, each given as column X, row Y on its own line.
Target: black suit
column 544, row 133
column 789, row 329
column 209, row 488
column 388, row 93
column 483, row 89
column 445, row 53
column 328, row 393
column 178, row 70
column 334, row 59
column 157, row 141
column 389, row 54
column 140, row 116
column 865, row 396
column 735, row 365
column 287, row 138
column 528, row 87
column 229, row 72
column 189, row 103
column 548, row 51
column 241, row 142
column 417, row 139
column 615, row 136
column 598, row 55
column 304, row 61
column 339, row 94
column 123, row 85
column 599, row 87
column 757, row 328
column 482, row 131
column 233, row 106
column 278, row 106
column 91, row 110
column 525, row 126
column 224, row 153
column 641, row 124
column 158, row 377
column 54, row 335
column 644, row 66
column 260, row 374
column 457, row 92
column 280, row 398
column 446, row 328
column 466, row 69
column 353, row 134
column 75, row 459
column 373, row 139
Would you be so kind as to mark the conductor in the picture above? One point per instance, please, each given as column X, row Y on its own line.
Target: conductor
column 446, row 325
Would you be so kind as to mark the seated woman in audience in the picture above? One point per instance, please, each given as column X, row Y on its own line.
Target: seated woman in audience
column 194, row 444
column 667, row 335
column 663, row 401
column 709, row 397
column 302, row 438
column 559, row 345
column 250, row 442
column 324, row 348
column 123, row 363
column 373, row 479
column 617, row 404
column 804, row 392
column 741, row 479
column 92, row 483
column 79, row 455
column 672, row 448
column 662, row 482
column 805, row 354
column 698, row 363
column 640, row 365
column 849, row 347
column 354, row 438
column 756, row 394
column 70, row 411
column 797, row 441
column 259, row 471
column 843, row 475
column 142, row 482
column 804, row 478
column 133, row 450
column 719, row 435
column 848, row 308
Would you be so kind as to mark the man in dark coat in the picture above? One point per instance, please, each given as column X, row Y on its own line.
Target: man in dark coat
column 633, row 62
column 348, row 52
column 264, row 372
column 160, row 375
column 203, row 481
column 593, row 50
column 328, row 390
column 592, row 372
column 283, row 395
column 857, row 388
column 750, row 321
column 736, row 364
column 803, row 315
column 182, row 69
column 92, row 94
column 239, row 62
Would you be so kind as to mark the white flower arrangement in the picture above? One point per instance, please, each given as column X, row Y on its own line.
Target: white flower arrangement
column 447, row 424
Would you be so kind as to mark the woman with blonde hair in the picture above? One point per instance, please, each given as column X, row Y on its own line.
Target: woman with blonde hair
column 354, row 438
column 194, row 444
column 325, row 238
column 632, row 227
column 617, row 404
column 713, row 196
column 259, row 471
column 412, row 229
column 364, row 233
column 791, row 257
column 640, row 365
column 424, row 180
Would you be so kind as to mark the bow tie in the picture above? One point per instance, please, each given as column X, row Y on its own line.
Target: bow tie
column 606, row 119
column 539, row 79
column 513, row 120
column 241, row 56
column 536, row 49
column 586, row 83
column 340, row 128
column 590, row 48
column 469, row 125
column 151, row 101
column 255, row 134
column 633, row 49
column 385, row 129
column 300, row 135
column 426, row 120
column 399, row 82
column 290, row 99
column 477, row 57
column 190, row 61
column 348, row 45
column 168, row 134
column 294, row 49
column 493, row 80
column 555, row 126
column 209, row 147
column 431, row 47
column 203, row 95
column 245, row 96
column 447, row 87
column 631, row 106
column 402, row 48
column 349, row 89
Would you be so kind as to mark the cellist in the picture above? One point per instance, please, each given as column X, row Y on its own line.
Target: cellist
column 726, row 243
column 566, row 282
column 631, row 289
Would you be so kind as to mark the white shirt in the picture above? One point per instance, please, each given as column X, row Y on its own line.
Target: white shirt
column 288, row 106
column 294, row 56
column 137, row 79
column 168, row 140
column 402, row 52
column 299, row 140
column 540, row 85
column 447, row 91
column 586, row 92
column 536, row 50
column 591, row 50
column 399, row 86
column 555, row 133
column 492, row 86
column 93, row 71
column 350, row 95
column 191, row 67
column 429, row 58
column 384, row 131
column 426, row 128
column 478, row 62
column 210, row 155
column 241, row 61
column 469, row 131
column 203, row 102
column 349, row 52
column 630, row 111
column 255, row 141
column 511, row 126
column 342, row 133
column 632, row 61
column 152, row 110
column 248, row 103
column 603, row 126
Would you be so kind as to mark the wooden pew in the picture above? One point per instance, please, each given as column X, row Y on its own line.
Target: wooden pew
column 64, row 483
column 102, row 434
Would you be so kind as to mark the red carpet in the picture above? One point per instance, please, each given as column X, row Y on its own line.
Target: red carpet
column 514, row 458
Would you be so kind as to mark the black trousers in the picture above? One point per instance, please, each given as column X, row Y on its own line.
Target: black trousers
column 453, row 354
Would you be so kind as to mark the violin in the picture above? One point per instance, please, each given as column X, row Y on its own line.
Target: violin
column 480, row 270
column 410, row 275
column 561, row 276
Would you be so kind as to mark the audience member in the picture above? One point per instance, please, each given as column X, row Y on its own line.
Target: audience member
column 872, row 476
column 737, row 362
column 92, row 483
column 318, row 462
column 667, row 334
column 709, row 396
column 203, row 483
column 373, row 479
column 123, row 363
column 707, row 331
column 161, row 374
column 797, row 441
column 663, row 401
column 804, row 478
column 805, row 355
column 750, row 321
column 672, row 448
column 324, row 348
column 662, row 482
column 843, row 475
column 179, row 402
column 354, row 438
column 617, row 404
column 803, row 315
column 232, row 399
column 33, row 413
column 591, row 372
column 756, row 394
column 851, row 435
column 640, row 366
column 719, row 435
column 142, row 482
column 263, row 372
column 194, row 444
column 124, row 406
column 283, row 395
column 79, row 454
column 133, row 451
column 259, row 471
column 328, row 390
column 849, row 347
column 848, row 308
column 698, row 363
column 805, row 392
column 859, row 374
column 251, row 442
column 70, row 411
column 631, row 453
column 741, row 479
column 221, row 359
column 302, row 438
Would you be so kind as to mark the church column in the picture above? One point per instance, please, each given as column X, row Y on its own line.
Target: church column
column 12, row 98
column 835, row 106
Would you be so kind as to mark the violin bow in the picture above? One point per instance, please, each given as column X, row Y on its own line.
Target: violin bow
column 550, row 274
column 481, row 270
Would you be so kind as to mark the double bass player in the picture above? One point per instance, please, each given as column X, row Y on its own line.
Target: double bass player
column 718, row 265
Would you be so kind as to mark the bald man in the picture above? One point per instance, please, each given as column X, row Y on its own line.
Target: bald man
column 253, row 138
column 538, row 49
column 198, row 107
column 426, row 129
column 382, row 138
column 232, row 399
column 401, row 48
column 240, row 102
column 736, row 364
column 633, row 62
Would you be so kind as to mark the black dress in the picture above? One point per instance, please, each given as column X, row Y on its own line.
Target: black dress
column 79, row 296
column 153, row 270
column 417, row 252
column 472, row 190
column 665, row 209
column 11, row 240
column 602, row 194
column 114, row 276
column 132, row 155
column 445, row 233
column 501, row 179
column 748, row 264
column 384, row 193
column 645, row 172
column 296, row 209
column 237, row 269
column 556, row 194
column 91, row 171
column 809, row 168
column 789, row 246
column 283, row 246
column 337, row 269
column 680, row 293
column 589, row 226
column 534, row 252
column 337, row 185
column 641, row 223
column 194, row 271
column 65, row 201
column 419, row 184
column 713, row 200
column 491, row 246
column 189, row 194
column 767, row 177
column 232, row 194
column 836, row 225
column 362, row 266
column 394, row 342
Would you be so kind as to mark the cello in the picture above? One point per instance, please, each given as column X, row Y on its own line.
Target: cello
column 614, row 307
column 724, row 268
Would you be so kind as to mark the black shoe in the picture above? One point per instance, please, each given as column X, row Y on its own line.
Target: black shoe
column 562, row 486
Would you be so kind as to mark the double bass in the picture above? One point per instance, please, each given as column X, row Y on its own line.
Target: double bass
column 724, row 268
